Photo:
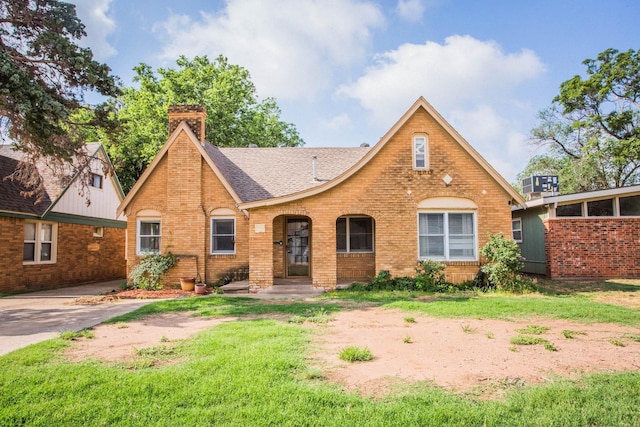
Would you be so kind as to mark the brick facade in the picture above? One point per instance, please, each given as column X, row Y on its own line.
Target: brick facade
column 81, row 257
column 592, row 247
column 387, row 189
column 185, row 191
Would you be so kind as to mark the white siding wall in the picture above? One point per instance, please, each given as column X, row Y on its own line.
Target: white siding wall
column 104, row 202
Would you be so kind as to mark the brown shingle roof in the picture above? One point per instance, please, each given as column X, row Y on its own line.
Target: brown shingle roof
column 264, row 173
column 12, row 192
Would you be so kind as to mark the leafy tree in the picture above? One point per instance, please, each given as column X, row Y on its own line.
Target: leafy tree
column 235, row 117
column 43, row 76
column 592, row 129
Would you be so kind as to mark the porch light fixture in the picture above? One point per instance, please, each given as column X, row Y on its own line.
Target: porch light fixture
column 447, row 180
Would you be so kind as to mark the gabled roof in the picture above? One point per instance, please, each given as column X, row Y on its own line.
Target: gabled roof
column 267, row 176
column 12, row 199
column 420, row 103
column 266, row 173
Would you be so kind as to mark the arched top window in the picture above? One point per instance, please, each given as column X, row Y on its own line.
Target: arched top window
column 447, row 229
column 447, row 203
column 223, row 212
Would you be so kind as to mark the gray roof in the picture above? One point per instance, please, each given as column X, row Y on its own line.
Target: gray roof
column 12, row 193
column 264, row 173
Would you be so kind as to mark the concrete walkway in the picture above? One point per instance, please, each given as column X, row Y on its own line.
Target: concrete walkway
column 27, row 319
column 30, row 318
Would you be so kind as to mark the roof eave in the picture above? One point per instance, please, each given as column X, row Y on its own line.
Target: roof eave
column 421, row 102
column 165, row 148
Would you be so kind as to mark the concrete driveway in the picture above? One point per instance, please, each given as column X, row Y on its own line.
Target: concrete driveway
column 37, row 316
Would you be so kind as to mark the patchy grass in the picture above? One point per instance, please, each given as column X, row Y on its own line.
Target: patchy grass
column 356, row 354
column 569, row 334
column 530, row 340
column 255, row 372
column 76, row 335
column 533, row 330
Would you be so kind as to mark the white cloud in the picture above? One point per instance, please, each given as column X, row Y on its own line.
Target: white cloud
column 410, row 10
column 338, row 122
column 458, row 73
column 292, row 48
column 98, row 25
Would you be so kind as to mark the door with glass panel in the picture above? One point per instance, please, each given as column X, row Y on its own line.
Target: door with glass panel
column 297, row 247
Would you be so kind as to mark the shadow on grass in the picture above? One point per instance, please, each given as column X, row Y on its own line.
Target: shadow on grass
column 573, row 287
column 222, row 306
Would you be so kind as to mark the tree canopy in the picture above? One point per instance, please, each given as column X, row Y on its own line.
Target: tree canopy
column 592, row 129
column 43, row 77
column 235, row 117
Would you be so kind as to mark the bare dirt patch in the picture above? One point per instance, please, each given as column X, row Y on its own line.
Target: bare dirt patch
column 457, row 354
column 118, row 342
column 461, row 354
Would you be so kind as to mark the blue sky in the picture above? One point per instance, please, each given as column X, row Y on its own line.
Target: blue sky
column 344, row 71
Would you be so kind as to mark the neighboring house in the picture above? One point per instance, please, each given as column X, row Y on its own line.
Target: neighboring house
column 593, row 234
column 56, row 238
column 326, row 214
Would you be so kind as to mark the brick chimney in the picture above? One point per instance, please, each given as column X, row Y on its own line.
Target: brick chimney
column 194, row 115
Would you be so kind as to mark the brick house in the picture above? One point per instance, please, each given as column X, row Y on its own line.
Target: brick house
column 58, row 239
column 326, row 214
column 594, row 234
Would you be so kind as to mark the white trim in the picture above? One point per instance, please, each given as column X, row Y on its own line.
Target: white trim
column 222, row 252
column 423, row 139
column 519, row 221
column 98, row 231
column 140, row 220
column 37, row 242
column 446, row 214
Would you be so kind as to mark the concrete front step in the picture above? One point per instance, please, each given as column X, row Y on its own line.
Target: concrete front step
column 292, row 289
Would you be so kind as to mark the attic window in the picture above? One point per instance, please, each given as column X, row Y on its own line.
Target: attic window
column 420, row 152
column 95, row 180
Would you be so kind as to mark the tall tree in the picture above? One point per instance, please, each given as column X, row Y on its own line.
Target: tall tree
column 235, row 117
column 43, row 77
column 592, row 129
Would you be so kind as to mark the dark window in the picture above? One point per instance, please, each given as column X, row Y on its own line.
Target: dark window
column 354, row 234
column 630, row 206
column 600, row 208
column 574, row 209
column 223, row 235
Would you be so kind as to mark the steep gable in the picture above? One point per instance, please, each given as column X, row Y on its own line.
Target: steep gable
column 53, row 188
column 421, row 103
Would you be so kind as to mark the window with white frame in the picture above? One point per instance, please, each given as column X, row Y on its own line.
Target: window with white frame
column 516, row 229
column 420, row 152
column 354, row 234
column 149, row 235
column 447, row 236
column 223, row 235
column 40, row 239
column 95, row 180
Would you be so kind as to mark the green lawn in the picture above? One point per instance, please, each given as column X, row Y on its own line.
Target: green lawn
column 254, row 372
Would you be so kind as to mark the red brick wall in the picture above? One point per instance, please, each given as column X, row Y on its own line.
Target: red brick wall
column 81, row 257
column 592, row 247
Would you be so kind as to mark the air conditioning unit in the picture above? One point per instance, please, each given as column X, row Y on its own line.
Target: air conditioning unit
column 541, row 184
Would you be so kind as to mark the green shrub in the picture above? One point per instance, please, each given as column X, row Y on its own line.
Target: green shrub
column 149, row 272
column 504, row 262
column 430, row 277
